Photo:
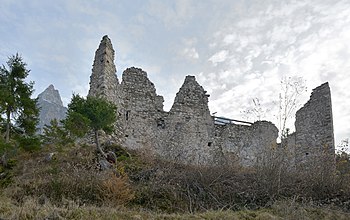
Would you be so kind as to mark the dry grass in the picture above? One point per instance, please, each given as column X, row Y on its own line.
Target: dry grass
column 117, row 190
column 71, row 187
column 72, row 174
column 31, row 209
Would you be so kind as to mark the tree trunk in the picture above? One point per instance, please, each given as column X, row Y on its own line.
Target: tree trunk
column 99, row 149
column 8, row 125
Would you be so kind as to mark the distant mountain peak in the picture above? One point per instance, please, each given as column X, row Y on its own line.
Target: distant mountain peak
column 51, row 87
column 51, row 107
column 51, row 95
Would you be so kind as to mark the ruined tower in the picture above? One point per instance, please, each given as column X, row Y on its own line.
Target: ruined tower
column 314, row 136
column 103, row 80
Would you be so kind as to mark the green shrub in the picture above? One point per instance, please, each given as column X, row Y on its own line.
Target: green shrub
column 29, row 143
column 56, row 134
column 5, row 147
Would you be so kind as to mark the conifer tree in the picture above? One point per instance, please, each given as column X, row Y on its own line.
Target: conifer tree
column 16, row 105
column 90, row 114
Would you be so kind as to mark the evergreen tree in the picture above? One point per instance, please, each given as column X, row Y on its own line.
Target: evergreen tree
column 56, row 134
column 90, row 114
column 16, row 104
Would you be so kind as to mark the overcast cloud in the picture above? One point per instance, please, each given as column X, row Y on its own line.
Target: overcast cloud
column 238, row 50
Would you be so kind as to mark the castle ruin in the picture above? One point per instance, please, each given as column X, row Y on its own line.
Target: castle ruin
column 189, row 134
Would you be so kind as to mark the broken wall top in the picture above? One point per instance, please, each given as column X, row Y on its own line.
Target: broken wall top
column 139, row 93
column 103, row 80
column 191, row 97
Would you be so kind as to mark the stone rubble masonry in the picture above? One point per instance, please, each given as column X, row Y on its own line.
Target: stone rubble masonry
column 190, row 128
column 314, row 137
column 103, row 80
column 140, row 108
column 188, row 133
column 245, row 144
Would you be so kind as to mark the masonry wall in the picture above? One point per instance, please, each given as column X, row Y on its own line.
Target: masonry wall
column 188, row 133
column 103, row 80
column 246, row 144
column 314, row 129
column 190, row 128
column 140, row 111
column 288, row 149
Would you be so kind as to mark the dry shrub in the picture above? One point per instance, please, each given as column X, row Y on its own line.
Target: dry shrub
column 155, row 184
column 117, row 190
column 57, row 183
column 67, row 175
column 72, row 174
column 173, row 187
column 32, row 209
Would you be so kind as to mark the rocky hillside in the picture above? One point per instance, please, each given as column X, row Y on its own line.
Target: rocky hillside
column 51, row 107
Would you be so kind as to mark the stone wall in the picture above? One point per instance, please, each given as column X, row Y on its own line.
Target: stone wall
column 246, row 144
column 288, row 148
column 103, row 80
column 188, row 133
column 190, row 128
column 314, row 129
column 140, row 110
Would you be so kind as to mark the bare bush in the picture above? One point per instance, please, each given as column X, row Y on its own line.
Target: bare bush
column 173, row 187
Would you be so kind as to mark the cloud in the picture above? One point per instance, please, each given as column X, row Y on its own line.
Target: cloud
column 238, row 50
column 171, row 14
column 187, row 49
column 190, row 53
column 306, row 39
column 219, row 57
column 229, row 39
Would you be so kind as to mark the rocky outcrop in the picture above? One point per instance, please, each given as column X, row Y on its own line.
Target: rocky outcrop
column 51, row 107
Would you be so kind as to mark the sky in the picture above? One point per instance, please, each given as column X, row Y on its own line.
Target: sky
column 239, row 50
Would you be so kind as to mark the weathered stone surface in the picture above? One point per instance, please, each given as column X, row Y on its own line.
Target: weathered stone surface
column 288, row 148
column 103, row 80
column 188, row 133
column 140, row 108
column 189, row 126
column 191, row 99
column 314, row 128
column 246, row 144
column 104, row 164
column 51, row 107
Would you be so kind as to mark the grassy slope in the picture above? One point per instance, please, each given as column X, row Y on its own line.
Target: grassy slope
column 30, row 209
column 32, row 173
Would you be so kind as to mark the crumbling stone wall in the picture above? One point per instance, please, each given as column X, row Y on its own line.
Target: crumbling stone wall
column 288, row 149
column 103, row 80
column 188, row 133
column 190, row 127
column 141, row 110
column 246, row 144
column 314, row 135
